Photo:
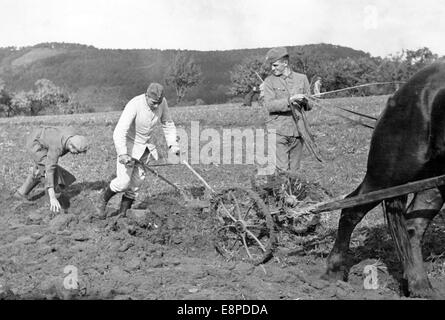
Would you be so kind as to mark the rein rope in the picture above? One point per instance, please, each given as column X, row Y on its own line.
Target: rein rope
column 356, row 87
column 316, row 101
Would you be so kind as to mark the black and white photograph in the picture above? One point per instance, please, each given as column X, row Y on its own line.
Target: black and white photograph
column 240, row 151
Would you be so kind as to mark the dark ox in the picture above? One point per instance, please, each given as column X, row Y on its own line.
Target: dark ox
column 408, row 144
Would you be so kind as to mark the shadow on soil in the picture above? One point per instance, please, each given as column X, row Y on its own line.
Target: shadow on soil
column 70, row 192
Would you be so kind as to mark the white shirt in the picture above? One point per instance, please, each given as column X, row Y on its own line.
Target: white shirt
column 136, row 123
column 317, row 86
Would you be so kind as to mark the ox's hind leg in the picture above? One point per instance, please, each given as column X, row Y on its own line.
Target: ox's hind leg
column 350, row 217
column 421, row 211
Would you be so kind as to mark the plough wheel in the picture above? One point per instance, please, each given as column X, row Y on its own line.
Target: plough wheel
column 245, row 229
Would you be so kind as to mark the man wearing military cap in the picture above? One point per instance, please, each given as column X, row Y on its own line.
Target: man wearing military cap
column 281, row 90
column 132, row 142
column 46, row 145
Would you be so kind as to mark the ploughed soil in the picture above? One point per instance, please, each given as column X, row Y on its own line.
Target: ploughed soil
column 165, row 250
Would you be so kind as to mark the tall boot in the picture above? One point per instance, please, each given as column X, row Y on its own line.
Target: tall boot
column 30, row 183
column 126, row 204
column 105, row 196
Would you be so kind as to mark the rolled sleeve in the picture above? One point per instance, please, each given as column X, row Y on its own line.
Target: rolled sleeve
column 168, row 126
column 169, row 129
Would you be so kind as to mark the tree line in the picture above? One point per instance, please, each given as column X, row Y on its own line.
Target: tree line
column 339, row 73
column 183, row 74
column 117, row 75
column 45, row 96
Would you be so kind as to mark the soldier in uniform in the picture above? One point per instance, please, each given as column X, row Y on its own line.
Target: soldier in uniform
column 46, row 145
column 282, row 89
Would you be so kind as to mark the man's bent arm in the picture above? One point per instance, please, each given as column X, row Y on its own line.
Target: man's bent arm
column 51, row 166
column 122, row 127
column 307, row 92
column 272, row 104
column 168, row 126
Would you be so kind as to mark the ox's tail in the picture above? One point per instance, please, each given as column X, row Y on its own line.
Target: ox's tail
column 394, row 210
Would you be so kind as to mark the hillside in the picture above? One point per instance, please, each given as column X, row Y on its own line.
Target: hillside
column 107, row 78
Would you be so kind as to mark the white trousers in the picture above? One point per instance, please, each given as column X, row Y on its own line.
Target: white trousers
column 129, row 179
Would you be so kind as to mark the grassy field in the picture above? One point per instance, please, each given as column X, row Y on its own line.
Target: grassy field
column 343, row 146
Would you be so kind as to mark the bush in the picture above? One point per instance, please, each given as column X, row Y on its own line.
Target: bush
column 183, row 103
column 77, row 107
column 236, row 100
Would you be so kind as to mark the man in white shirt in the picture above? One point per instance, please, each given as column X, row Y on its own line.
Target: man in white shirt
column 131, row 139
column 317, row 85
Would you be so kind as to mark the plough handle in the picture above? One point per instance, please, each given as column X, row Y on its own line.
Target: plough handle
column 198, row 176
column 146, row 167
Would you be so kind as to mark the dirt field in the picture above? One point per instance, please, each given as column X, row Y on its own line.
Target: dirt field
column 172, row 255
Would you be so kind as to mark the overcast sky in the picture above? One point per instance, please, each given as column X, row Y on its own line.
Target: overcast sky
column 379, row 27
